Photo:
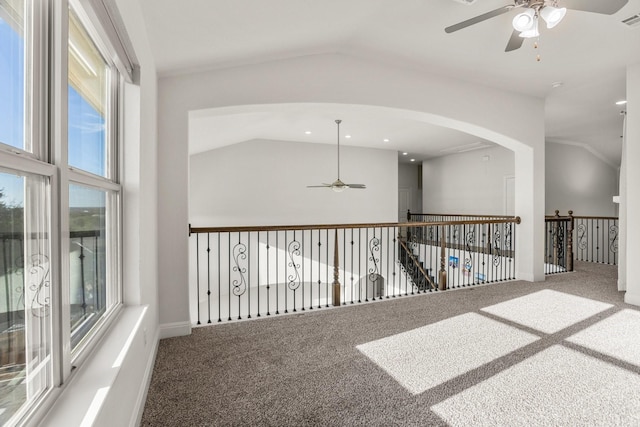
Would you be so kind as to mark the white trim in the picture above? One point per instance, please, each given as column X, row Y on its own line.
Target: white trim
column 633, row 299
column 622, row 285
column 587, row 147
column 20, row 161
column 175, row 329
column 136, row 415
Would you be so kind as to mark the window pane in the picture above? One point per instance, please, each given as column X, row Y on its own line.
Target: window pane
column 88, row 101
column 12, row 74
column 87, row 259
column 25, row 294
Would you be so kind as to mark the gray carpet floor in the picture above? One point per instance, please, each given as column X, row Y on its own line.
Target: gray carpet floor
column 561, row 352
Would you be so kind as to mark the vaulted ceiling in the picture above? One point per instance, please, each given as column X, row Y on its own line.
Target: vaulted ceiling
column 585, row 56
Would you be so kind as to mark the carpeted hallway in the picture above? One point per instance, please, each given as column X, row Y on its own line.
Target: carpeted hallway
column 562, row 352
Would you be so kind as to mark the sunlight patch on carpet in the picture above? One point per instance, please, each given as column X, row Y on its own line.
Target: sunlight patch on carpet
column 547, row 311
column 425, row 357
column 616, row 336
column 557, row 386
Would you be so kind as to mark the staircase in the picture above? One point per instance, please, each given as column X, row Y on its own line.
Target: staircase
column 415, row 269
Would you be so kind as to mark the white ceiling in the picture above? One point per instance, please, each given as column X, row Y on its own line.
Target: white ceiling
column 587, row 52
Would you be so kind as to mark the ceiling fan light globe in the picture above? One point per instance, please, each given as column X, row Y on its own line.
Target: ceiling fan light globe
column 339, row 188
column 553, row 15
column 533, row 32
column 524, row 21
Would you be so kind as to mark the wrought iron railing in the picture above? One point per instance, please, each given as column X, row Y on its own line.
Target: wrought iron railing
column 596, row 239
column 246, row 272
column 581, row 238
column 14, row 302
column 558, row 243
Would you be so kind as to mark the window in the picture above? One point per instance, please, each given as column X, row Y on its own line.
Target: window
column 58, row 291
column 12, row 73
column 25, row 293
column 93, row 190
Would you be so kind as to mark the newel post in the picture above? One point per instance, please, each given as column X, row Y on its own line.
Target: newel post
column 408, row 215
column 570, row 243
column 336, row 281
column 442, row 277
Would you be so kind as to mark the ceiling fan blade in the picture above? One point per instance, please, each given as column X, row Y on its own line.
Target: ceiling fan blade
column 515, row 41
column 607, row 7
column 359, row 186
column 479, row 18
column 319, row 186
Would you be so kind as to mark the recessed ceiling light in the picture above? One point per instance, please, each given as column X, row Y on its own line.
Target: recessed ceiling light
column 405, row 153
column 413, row 160
column 556, row 85
column 385, row 140
column 347, row 136
column 308, row 132
column 621, row 102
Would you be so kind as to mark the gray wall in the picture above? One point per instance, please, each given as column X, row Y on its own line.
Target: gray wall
column 578, row 180
column 575, row 179
column 262, row 182
column 409, row 179
column 467, row 183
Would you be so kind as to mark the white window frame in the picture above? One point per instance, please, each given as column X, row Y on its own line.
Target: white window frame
column 110, row 184
column 46, row 154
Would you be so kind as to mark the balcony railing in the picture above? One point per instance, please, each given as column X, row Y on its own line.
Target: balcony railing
column 582, row 238
column 558, row 244
column 596, row 239
column 17, row 270
column 246, row 272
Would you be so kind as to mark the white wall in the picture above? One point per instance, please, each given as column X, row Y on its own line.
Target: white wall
column 577, row 180
column 467, row 183
column 409, row 178
column 509, row 119
column 262, row 182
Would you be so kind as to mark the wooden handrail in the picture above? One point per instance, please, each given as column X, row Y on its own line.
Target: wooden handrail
column 192, row 230
column 596, row 217
column 417, row 263
column 476, row 215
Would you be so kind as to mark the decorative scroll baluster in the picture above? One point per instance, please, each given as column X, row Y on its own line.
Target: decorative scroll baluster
column 336, row 272
column 442, row 281
column 374, row 257
column 293, row 279
column 239, row 283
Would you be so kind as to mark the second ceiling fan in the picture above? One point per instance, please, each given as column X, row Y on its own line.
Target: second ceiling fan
column 525, row 24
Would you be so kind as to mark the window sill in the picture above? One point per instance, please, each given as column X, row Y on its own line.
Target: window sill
column 95, row 385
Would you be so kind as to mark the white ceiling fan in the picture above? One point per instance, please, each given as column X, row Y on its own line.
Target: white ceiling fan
column 525, row 24
column 338, row 185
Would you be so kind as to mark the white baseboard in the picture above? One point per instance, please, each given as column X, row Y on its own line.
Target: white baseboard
column 633, row 299
column 175, row 329
column 146, row 382
column 622, row 285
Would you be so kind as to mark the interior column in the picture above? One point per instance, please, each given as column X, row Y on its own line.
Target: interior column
column 631, row 200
